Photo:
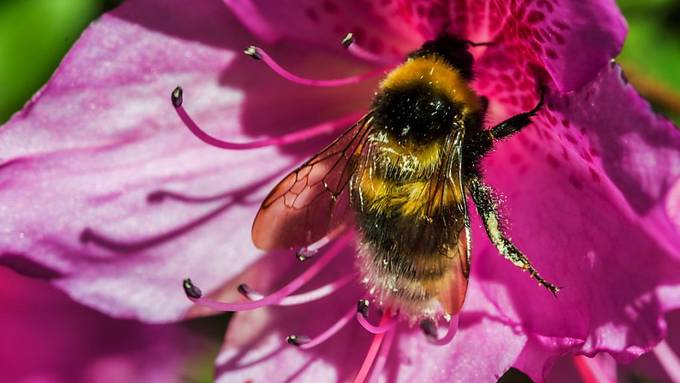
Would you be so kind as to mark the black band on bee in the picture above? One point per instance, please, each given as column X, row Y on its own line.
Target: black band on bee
column 409, row 234
column 415, row 113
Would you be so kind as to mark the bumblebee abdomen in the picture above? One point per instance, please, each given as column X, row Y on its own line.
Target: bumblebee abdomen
column 410, row 227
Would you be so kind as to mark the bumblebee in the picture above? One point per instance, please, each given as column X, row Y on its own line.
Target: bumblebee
column 402, row 175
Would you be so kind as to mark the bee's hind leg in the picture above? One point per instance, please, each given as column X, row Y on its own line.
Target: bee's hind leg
column 487, row 208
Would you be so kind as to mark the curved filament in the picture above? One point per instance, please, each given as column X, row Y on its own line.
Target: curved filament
column 450, row 332
column 324, row 336
column 282, row 293
column 372, row 352
column 287, row 139
column 383, row 327
column 260, row 54
column 668, row 360
column 382, row 356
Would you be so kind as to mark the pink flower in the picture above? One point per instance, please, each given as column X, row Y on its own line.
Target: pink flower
column 103, row 190
column 48, row 338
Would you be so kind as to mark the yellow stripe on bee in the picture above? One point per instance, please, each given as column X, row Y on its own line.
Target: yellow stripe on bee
column 418, row 198
column 434, row 72
column 404, row 159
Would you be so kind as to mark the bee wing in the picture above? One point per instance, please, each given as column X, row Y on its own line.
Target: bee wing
column 312, row 200
column 452, row 295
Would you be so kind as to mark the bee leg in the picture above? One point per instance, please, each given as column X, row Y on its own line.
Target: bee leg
column 515, row 123
column 487, row 208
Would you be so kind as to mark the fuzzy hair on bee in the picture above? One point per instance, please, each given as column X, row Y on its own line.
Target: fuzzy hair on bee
column 402, row 176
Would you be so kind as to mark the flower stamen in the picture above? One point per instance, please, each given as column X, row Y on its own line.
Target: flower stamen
column 260, row 55
column 382, row 356
column 589, row 370
column 348, row 42
column 279, row 295
column 429, row 328
column 305, row 342
column 306, row 297
column 372, row 351
column 362, row 318
column 668, row 360
column 327, row 127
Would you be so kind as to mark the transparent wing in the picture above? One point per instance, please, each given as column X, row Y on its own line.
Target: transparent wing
column 312, row 201
column 452, row 296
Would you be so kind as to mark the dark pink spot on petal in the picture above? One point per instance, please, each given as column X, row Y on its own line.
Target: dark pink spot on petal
column 594, row 175
column 376, row 45
column 565, row 154
column 574, row 181
column 551, row 53
column 312, row 15
column 331, row 8
column 552, row 161
column 570, row 138
column 535, row 17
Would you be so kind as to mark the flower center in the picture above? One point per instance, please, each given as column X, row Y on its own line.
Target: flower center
column 329, row 248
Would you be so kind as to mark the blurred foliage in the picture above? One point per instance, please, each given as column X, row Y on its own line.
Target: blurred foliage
column 651, row 53
column 35, row 35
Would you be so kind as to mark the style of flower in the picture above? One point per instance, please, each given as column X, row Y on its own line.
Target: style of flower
column 103, row 188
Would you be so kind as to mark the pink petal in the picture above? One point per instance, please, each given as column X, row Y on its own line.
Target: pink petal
column 648, row 366
column 565, row 370
column 589, row 211
column 380, row 28
column 47, row 337
column 255, row 347
column 572, row 41
column 102, row 136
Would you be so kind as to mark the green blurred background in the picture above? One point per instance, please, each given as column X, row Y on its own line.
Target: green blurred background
column 35, row 35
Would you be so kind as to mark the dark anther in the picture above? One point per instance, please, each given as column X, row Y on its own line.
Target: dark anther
column 297, row 340
column 253, row 52
column 244, row 290
column 176, row 97
column 191, row 290
column 429, row 328
column 347, row 40
column 362, row 307
column 304, row 254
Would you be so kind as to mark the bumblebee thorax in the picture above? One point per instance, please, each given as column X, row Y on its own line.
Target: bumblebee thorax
column 422, row 100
